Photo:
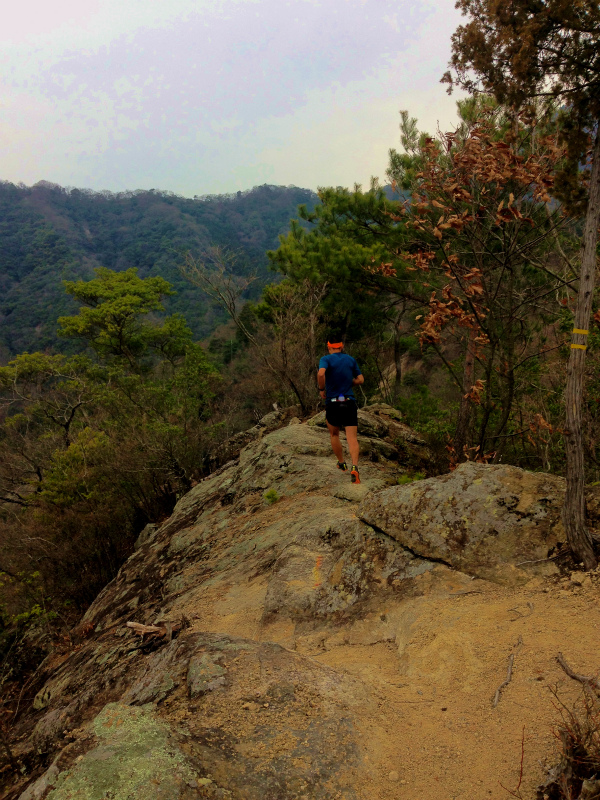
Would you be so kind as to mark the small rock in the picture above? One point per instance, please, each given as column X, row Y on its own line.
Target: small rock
column 295, row 421
column 270, row 420
column 577, row 578
column 393, row 776
column 205, row 674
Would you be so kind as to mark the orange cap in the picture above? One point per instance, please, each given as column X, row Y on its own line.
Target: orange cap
column 335, row 346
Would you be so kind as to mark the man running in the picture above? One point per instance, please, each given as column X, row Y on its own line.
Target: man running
column 338, row 373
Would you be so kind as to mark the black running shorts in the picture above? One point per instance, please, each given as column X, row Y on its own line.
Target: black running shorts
column 341, row 415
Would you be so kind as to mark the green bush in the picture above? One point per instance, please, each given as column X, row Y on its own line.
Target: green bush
column 426, row 414
column 410, row 478
column 411, row 345
column 271, row 496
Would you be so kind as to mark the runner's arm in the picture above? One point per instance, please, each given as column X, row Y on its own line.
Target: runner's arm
column 358, row 376
column 321, row 380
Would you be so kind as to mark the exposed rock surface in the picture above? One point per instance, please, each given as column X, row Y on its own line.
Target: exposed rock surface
column 259, row 720
column 321, row 641
column 484, row 520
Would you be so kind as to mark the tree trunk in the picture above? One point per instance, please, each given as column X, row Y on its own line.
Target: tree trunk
column 398, row 353
column 573, row 515
column 509, row 370
column 464, row 411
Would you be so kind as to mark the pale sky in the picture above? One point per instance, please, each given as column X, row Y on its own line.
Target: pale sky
column 212, row 96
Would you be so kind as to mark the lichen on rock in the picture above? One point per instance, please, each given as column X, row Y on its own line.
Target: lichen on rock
column 134, row 758
column 484, row 520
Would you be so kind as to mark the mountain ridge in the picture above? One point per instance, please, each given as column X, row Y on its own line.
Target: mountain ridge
column 293, row 650
column 49, row 234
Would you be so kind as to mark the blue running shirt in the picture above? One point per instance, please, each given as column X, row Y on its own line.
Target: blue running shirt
column 341, row 369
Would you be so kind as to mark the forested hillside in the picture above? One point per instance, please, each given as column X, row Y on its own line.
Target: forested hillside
column 49, row 234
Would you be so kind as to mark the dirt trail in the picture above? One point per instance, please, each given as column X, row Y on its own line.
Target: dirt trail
column 429, row 729
column 437, row 735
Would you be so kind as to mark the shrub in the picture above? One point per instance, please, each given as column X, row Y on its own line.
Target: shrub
column 413, row 378
column 271, row 496
column 410, row 478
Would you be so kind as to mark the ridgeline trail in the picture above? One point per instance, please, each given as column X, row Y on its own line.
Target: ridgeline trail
column 310, row 639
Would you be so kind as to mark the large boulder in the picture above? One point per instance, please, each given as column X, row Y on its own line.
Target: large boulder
column 259, row 566
column 488, row 521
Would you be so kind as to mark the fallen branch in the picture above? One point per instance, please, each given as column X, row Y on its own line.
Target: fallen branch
column 160, row 629
column 587, row 680
column 540, row 560
column 504, row 684
column 520, row 614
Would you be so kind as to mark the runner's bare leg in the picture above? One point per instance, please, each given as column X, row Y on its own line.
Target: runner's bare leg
column 335, row 442
column 352, row 439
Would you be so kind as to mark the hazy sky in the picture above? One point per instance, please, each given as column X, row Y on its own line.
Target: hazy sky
column 210, row 96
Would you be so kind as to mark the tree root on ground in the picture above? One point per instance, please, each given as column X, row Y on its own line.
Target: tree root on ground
column 506, row 681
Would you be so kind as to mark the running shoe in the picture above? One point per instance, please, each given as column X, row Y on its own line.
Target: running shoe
column 343, row 466
column 354, row 476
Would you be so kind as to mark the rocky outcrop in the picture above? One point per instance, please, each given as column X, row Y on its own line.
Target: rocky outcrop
column 231, row 448
column 239, row 719
column 258, row 565
column 388, row 435
column 267, row 580
column 481, row 519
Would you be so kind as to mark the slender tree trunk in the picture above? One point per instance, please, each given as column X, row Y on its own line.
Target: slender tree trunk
column 488, row 407
column 509, row 372
column 285, row 374
column 573, row 515
column 508, row 401
column 398, row 353
column 464, row 411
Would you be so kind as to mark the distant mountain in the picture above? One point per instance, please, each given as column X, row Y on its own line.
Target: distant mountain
column 49, row 233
